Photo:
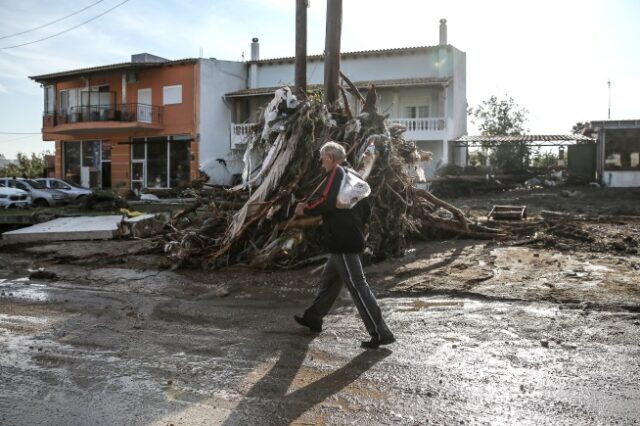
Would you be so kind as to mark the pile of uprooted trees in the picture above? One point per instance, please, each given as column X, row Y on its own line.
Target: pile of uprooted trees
column 254, row 222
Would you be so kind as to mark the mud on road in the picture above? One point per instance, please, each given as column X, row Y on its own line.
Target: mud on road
column 488, row 333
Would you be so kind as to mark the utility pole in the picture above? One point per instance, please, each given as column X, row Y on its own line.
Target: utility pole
column 609, row 85
column 301, row 47
column 332, row 51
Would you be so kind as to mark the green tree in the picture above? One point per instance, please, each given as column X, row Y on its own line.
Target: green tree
column 577, row 128
column 503, row 117
column 26, row 166
column 546, row 160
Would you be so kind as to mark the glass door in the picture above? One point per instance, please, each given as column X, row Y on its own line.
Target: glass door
column 138, row 169
column 144, row 105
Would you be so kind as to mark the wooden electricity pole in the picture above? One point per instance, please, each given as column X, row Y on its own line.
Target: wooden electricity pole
column 301, row 47
column 332, row 51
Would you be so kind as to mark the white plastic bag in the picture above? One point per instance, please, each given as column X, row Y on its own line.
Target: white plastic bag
column 352, row 190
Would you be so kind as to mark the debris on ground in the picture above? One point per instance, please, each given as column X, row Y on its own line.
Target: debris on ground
column 141, row 225
column 566, row 231
column 41, row 273
column 102, row 201
column 508, row 213
column 254, row 223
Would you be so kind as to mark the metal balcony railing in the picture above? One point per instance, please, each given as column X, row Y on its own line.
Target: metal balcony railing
column 141, row 113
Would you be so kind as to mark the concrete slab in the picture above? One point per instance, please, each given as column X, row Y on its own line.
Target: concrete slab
column 67, row 229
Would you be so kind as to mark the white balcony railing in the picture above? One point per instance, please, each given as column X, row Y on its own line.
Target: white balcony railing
column 434, row 128
column 239, row 132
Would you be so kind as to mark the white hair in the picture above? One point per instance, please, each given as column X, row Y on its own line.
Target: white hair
column 334, row 150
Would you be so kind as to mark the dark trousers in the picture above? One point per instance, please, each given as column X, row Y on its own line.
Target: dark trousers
column 346, row 268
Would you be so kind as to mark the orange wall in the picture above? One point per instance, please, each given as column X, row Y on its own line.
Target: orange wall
column 120, row 157
column 58, row 161
column 177, row 119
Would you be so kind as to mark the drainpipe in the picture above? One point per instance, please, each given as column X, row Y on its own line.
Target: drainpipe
column 445, row 142
column 124, row 89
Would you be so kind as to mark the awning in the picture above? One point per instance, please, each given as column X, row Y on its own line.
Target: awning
column 531, row 140
column 403, row 82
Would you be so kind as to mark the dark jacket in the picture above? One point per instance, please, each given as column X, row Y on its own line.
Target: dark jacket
column 343, row 228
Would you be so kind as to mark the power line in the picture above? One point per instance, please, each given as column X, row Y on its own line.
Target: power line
column 68, row 29
column 15, row 139
column 52, row 22
column 19, row 133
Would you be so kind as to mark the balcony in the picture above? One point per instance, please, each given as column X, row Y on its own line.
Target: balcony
column 239, row 133
column 89, row 119
column 433, row 128
column 421, row 129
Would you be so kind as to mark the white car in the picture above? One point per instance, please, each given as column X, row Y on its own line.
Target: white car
column 40, row 195
column 13, row 197
column 71, row 189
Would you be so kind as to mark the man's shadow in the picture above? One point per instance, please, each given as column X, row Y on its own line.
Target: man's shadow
column 268, row 403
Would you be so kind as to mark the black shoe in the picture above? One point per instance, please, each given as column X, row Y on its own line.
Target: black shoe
column 315, row 327
column 374, row 343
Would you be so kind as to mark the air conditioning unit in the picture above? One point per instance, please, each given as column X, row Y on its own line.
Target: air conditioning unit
column 131, row 77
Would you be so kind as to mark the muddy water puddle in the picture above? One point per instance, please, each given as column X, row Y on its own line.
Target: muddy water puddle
column 76, row 356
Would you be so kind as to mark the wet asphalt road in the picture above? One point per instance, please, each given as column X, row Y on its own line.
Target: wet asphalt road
column 88, row 356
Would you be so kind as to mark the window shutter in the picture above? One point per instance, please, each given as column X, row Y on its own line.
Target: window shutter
column 172, row 95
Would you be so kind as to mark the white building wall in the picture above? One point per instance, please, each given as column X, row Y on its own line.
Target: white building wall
column 621, row 179
column 394, row 101
column 216, row 79
column 459, row 106
column 436, row 62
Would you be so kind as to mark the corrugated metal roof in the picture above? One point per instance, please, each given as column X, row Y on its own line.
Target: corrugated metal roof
column 427, row 81
column 531, row 140
column 111, row 67
column 525, row 138
column 392, row 51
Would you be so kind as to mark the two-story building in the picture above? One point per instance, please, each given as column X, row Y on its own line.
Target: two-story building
column 422, row 88
column 152, row 122
column 137, row 124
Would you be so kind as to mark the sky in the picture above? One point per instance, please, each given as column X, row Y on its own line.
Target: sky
column 553, row 57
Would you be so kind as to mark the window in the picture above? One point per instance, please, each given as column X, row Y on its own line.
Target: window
column 179, row 153
column 49, row 99
column 160, row 162
column 137, row 151
column 156, row 164
column 622, row 152
column 172, row 95
column 82, row 163
column 64, row 101
column 19, row 185
column 421, row 111
column 71, row 161
column 56, row 184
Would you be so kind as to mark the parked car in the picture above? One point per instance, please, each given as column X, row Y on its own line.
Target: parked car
column 41, row 196
column 12, row 197
column 73, row 190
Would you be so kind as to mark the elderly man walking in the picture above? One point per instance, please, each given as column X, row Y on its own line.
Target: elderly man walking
column 344, row 240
